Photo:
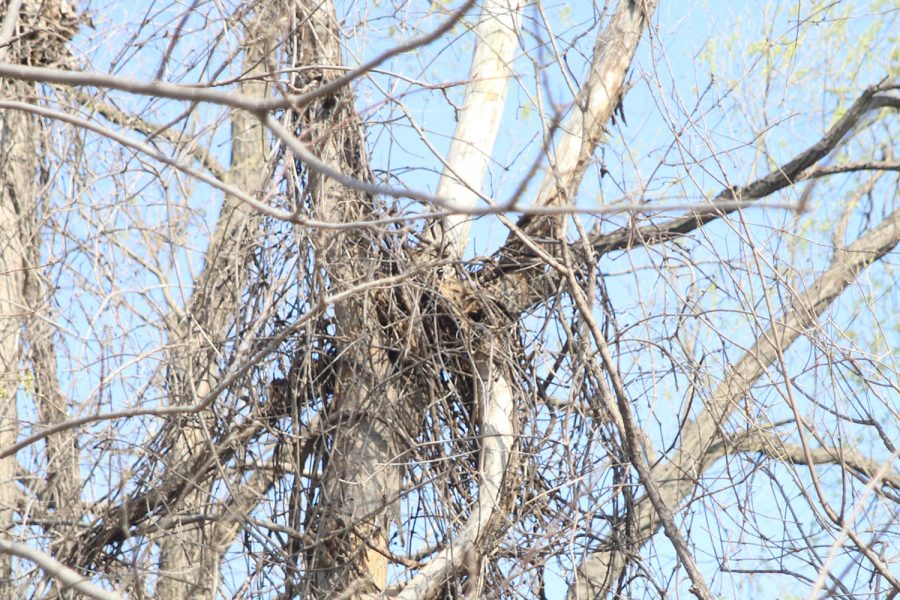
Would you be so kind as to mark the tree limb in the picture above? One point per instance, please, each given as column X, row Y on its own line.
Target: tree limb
column 478, row 121
column 514, row 274
column 66, row 576
column 676, row 477
column 779, row 178
column 770, row 444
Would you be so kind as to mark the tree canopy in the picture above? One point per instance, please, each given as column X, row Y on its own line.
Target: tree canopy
column 482, row 299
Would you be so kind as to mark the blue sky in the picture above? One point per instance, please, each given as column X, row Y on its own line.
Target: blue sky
column 726, row 77
column 745, row 88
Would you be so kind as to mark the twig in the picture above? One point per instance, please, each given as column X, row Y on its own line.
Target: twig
column 66, row 576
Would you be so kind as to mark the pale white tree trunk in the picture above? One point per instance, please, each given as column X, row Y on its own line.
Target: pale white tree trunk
column 479, row 120
column 582, row 132
column 583, row 129
column 497, row 441
column 461, row 183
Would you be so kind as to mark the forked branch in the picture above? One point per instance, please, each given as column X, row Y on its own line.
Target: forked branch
column 698, row 448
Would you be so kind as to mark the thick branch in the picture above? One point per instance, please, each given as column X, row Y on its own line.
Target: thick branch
column 585, row 127
column 634, row 438
column 121, row 118
column 581, row 133
column 770, row 444
column 188, row 566
column 518, row 278
column 68, row 578
column 697, row 451
column 465, row 168
column 779, row 178
column 478, row 121
column 497, row 440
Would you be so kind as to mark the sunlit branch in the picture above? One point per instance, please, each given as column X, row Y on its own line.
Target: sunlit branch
column 68, row 578
column 478, row 120
column 773, row 446
column 696, row 452
column 783, row 176
column 496, row 450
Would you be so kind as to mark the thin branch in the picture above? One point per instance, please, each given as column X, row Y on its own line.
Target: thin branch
column 851, row 167
column 66, row 576
column 155, row 154
column 783, row 176
column 311, row 161
column 698, row 450
column 233, row 375
column 846, row 531
column 634, row 439
column 156, row 89
column 521, row 289
column 200, row 93
column 770, row 444
column 123, row 119
column 496, row 394
column 336, row 84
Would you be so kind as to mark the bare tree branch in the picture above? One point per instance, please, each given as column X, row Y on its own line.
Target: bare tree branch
column 634, row 439
column 522, row 288
column 787, row 174
column 8, row 29
column 155, row 154
column 119, row 117
column 772, row 445
column 66, row 576
column 694, row 454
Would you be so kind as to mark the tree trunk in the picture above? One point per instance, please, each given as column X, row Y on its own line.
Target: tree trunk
column 51, row 24
column 349, row 519
column 18, row 170
column 189, row 560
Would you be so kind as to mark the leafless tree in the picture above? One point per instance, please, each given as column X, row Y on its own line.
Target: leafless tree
column 260, row 337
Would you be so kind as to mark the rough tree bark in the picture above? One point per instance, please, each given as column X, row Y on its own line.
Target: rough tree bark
column 349, row 466
column 26, row 351
column 360, row 478
column 189, row 561
column 18, row 165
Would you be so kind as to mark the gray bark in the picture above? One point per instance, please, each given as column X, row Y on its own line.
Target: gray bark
column 54, row 23
column 189, row 561
column 350, row 518
column 18, row 170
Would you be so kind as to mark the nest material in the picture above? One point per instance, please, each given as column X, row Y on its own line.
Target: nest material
column 43, row 31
